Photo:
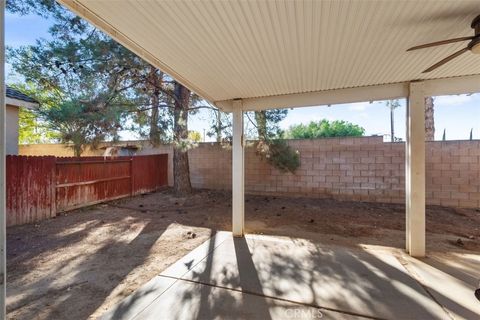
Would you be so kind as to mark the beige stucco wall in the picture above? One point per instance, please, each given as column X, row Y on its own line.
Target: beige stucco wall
column 53, row 149
column 65, row 150
column 11, row 129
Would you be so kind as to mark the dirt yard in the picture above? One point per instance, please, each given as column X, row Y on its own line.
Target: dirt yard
column 80, row 264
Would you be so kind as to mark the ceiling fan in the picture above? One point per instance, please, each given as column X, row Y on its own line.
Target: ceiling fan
column 473, row 45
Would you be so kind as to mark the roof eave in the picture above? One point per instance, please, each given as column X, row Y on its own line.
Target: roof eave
column 21, row 103
column 434, row 87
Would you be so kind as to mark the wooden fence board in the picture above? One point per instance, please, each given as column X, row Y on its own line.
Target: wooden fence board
column 85, row 183
column 148, row 180
column 29, row 189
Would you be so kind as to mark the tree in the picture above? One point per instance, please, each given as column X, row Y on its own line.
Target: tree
column 27, row 127
column 87, row 94
column 221, row 126
column 31, row 129
column 392, row 105
column 99, row 75
column 271, row 146
column 76, row 124
column 181, row 142
column 429, row 119
column 267, row 122
column 79, row 50
column 88, row 107
column 194, row 136
column 324, row 129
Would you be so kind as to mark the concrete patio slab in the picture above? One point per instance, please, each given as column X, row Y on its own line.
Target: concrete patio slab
column 140, row 299
column 450, row 284
column 266, row 277
column 196, row 256
column 189, row 300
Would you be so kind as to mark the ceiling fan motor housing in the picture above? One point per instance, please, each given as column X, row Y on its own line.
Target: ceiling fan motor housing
column 474, row 45
column 476, row 25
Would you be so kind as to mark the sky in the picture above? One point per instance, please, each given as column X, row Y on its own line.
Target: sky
column 457, row 115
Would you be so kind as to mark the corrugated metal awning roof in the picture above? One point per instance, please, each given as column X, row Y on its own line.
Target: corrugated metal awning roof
column 242, row 49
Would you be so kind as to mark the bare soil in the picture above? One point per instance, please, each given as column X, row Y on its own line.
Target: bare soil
column 80, row 264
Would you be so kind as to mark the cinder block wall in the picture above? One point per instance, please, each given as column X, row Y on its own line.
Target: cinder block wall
column 362, row 169
column 453, row 173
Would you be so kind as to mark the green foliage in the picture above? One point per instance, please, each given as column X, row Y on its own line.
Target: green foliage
column 324, row 129
column 271, row 146
column 27, row 124
column 220, row 126
column 265, row 124
column 89, row 67
column 393, row 104
column 270, row 126
column 76, row 123
column 194, row 136
column 31, row 129
column 279, row 154
column 81, row 77
column 184, row 144
column 43, row 8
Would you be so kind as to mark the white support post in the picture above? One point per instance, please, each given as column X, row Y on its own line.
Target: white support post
column 238, row 197
column 415, row 171
column 407, row 177
column 3, row 230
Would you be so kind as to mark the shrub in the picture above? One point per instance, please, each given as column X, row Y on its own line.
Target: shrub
column 279, row 154
column 324, row 129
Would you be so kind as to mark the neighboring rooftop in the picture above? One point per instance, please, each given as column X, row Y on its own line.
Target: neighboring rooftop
column 18, row 95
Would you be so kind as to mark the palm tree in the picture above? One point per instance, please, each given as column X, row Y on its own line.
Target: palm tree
column 429, row 119
column 392, row 104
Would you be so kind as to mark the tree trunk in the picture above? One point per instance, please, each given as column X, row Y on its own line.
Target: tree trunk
column 154, row 133
column 392, row 127
column 219, row 126
column 429, row 119
column 77, row 150
column 181, row 170
column 155, row 81
column 261, row 120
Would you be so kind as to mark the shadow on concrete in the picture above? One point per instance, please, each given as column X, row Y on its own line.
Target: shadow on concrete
column 350, row 281
column 209, row 299
column 254, row 278
column 339, row 281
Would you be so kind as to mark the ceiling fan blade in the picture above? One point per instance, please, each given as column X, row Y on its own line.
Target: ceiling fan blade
column 439, row 43
column 450, row 57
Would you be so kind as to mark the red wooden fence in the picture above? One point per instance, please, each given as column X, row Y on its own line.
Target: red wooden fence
column 30, row 183
column 40, row 187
